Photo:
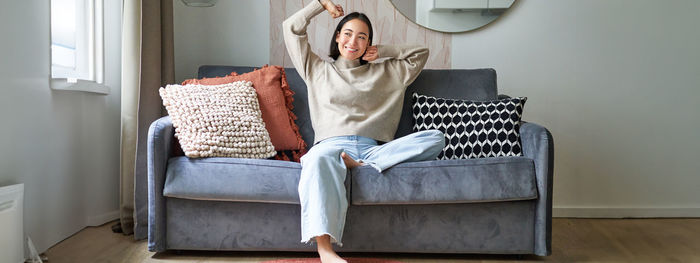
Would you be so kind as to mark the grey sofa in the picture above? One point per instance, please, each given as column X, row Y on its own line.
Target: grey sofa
column 490, row 205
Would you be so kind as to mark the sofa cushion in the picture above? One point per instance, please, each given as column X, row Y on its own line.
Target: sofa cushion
column 446, row 181
column 233, row 179
column 276, row 103
column 218, row 121
column 473, row 129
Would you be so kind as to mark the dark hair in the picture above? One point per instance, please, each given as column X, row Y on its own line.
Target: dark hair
column 334, row 52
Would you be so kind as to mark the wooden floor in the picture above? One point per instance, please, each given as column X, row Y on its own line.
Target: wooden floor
column 573, row 240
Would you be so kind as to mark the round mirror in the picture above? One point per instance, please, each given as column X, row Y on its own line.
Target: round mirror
column 452, row 15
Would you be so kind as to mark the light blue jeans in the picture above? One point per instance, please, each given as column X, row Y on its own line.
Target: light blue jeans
column 321, row 187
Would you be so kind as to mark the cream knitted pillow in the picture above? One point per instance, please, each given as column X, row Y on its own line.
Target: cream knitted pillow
column 221, row 120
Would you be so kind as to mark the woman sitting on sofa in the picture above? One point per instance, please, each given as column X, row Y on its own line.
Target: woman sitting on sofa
column 354, row 107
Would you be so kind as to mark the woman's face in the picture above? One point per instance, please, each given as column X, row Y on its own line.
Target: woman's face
column 353, row 39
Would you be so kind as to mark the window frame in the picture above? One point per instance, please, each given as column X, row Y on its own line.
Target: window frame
column 93, row 55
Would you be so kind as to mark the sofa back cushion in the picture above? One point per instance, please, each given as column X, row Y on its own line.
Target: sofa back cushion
column 468, row 84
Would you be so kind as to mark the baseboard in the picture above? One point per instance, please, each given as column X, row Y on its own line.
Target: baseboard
column 625, row 212
column 98, row 220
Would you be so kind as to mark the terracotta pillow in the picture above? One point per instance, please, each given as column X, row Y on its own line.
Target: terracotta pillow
column 275, row 100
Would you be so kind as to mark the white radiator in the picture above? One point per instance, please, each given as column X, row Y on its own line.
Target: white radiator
column 11, row 224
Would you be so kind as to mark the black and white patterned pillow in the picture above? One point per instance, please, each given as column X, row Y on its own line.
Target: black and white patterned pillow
column 473, row 129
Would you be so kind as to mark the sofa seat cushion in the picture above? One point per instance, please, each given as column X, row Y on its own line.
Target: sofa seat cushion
column 233, row 179
column 446, row 181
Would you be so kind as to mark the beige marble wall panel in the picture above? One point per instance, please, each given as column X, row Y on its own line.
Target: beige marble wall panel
column 390, row 28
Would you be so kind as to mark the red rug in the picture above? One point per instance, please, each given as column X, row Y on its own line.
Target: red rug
column 318, row 260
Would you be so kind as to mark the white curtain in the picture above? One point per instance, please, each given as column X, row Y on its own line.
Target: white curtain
column 147, row 64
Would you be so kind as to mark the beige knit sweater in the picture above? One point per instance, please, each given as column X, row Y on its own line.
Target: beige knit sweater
column 346, row 98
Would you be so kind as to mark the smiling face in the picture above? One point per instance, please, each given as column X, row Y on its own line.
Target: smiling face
column 353, row 39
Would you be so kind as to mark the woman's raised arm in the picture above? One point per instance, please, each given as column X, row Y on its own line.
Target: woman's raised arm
column 405, row 61
column 296, row 39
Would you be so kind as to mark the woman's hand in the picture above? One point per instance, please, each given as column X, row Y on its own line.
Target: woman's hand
column 371, row 53
column 334, row 10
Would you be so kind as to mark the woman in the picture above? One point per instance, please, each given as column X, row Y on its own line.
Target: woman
column 353, row 105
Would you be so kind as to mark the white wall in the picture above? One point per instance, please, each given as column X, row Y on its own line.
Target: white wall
column 617, row 84
column 63, row 145
column 234, row 32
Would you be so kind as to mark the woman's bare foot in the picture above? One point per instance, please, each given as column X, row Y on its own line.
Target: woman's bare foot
column 331, row 257
column 325, row 250
column 350, row 162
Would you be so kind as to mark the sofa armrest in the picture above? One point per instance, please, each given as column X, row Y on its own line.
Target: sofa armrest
column 538, row 144
column 160, row 136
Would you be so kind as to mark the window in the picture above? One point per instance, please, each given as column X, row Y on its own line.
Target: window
column 77, row 55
